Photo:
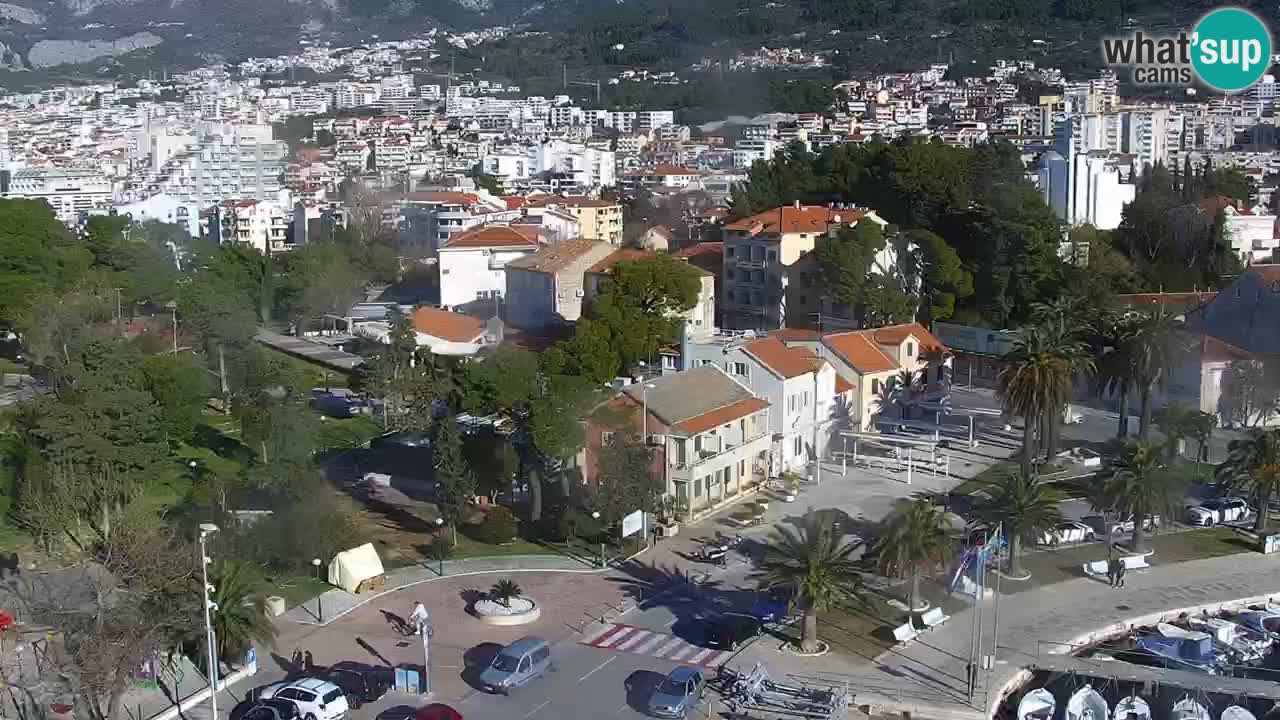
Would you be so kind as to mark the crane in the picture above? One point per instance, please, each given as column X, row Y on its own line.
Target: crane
column 565, row 82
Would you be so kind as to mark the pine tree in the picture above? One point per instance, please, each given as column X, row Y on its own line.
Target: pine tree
column 456, row 484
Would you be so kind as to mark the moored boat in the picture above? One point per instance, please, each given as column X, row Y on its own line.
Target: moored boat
column 1188, row 709
column 1038, row 704
column 1132, row 708
column 1087, row 704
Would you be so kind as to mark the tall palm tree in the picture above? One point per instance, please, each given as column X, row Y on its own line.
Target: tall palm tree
column 1202, row 426
column 1116, row 373
column 903, row 383
column 1175, row 420
column 1035, row 379
column 1253, row 466
column 241, row 616
column 1155, row 350
column 1141, row 486
column 1025, row 506
column 916, row 539
column 815, row 561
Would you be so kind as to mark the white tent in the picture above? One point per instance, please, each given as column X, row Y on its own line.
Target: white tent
column 351, row 567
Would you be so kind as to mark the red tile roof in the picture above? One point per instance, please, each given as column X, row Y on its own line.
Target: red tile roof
column 842, row 385
column 617, row 256
column 1211, row 205
column 790, row 219
column 722, row 415
column 447, row 325
column 699, row 249
column 1214, row 350
column 488, row 236
column 667, row 169
column 568, row 201
column 1169, row 298
column 796, row 335
column 897, row 334
column 785, row 361
column 860, row 352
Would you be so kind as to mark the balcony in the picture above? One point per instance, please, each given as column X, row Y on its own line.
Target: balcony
column 745, row 264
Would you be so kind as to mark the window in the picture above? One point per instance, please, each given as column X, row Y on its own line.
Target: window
column 911, row 349
column 791, row 403
column 773, row 255
column 740, row 369
column 799, row 446
column 606, row 437
column 729, row 273
column 805, row 402
column 875, row 386
column 697, row 489
column 728, row 252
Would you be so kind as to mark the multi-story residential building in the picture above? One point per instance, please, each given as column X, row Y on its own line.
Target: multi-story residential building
column 760, row 249
column 264, row 226
column 70, row 192
column 546, row 288
column 699, row 320
column 430, row 218
column 809, row 402
column 219, row 168
column 473, row 263
column 709, row 431
column 597, row 219
column 583, row 165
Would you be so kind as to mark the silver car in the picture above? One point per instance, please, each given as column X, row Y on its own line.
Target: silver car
column 678, row 693
column 517, row 664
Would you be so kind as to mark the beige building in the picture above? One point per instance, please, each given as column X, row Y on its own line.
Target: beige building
column 759, row 250
column 547, row 288
column 597, row 219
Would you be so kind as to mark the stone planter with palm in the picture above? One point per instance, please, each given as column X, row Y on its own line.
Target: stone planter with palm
column 1143, row 487
column 1025, row 507
column 916, row 540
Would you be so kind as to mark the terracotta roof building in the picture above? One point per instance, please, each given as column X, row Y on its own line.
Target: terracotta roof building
column 473, row 263
column 547, row 288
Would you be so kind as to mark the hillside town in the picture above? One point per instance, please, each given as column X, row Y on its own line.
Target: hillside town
column 801, row 393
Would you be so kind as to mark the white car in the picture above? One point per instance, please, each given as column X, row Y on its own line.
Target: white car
column 1068, row 532
column 316, row 699
column 1122, row 525
column 1218, row 510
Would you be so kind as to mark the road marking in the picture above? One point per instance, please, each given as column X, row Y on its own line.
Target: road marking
column 634, row 640
column 595, row 635
column 597, row 669
column 652, row 643
column 613, row 637
column 682, row 652
column 535, row 710
column 699, row 657
column 675, row 642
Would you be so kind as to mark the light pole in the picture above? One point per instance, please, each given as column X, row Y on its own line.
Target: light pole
column 173, row 309
column 315, row 563
column 439, row 536
column 426, row 655
column 644, row 411
column 595, row 515
column 207, row 529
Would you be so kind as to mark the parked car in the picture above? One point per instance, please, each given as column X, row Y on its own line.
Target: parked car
column 271, row 709
column 517, row 664
column 1218, row 510
column 361, row 686
column 678, row 693
column 316, row 699
column 728, row 631
column 1068, row 532
column 1117, row 526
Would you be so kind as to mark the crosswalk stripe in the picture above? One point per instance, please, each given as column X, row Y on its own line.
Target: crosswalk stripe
column 613, row 637
column 699, row 657
column 634, row 640
column 668, row 647
column 716, row 661
column 682, row 652
column 650, row 644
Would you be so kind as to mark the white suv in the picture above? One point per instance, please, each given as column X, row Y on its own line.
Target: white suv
column 316, row 699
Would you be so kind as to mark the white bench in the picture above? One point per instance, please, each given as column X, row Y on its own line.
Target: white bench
column 905, row 633
column 1097, row 568
column 1135, row 562
column 934, row 618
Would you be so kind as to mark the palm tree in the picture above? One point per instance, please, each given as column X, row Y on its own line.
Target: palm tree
column 1175, row 420
column 1025, row 506
column 1202, row 427
column 916, row 539
column 1116, row 373
column 1035, row 379
column 1155, row 351
column 904, row 382
column 815, row 561
column 1143, row 487
column 240, row 618
column 503, row 590
column 1253, row 465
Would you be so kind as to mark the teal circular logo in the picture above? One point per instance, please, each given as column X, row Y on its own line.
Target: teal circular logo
column 1230, row 49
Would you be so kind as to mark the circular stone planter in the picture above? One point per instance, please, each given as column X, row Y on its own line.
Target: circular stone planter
column 522, row 611
column 794, row 649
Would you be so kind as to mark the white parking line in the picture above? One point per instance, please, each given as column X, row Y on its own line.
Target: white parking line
column 636, row 639
column 668, row 647
column 699, row 657
column 597, row 669
column 535, row 710
column 651, row 643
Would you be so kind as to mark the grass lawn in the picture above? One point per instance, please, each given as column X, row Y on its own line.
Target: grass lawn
column 985, row 478
column 340, row 434
column 1052, row 566
column 468, row 548
column 298, row 589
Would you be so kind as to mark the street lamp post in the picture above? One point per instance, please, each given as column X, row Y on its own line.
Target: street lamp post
column 207, row 529
column 173, row 309
column 315, row 563
column 426, row 655
column 595, row 515
column 439, row 533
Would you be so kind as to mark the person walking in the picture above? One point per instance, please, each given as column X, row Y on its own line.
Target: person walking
column 1113, row 571
column 1120, row 573
column 418, row 617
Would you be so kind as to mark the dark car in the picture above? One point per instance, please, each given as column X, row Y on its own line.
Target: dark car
column 272, row 709
column 728, row 631
column 361, row 686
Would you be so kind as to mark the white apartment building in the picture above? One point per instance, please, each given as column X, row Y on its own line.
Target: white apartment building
column 473, row 263
column 219, row 168
column 264, row 226
column 69, row 191
column 748, row 152
column 1084, row 188
column 585, row 166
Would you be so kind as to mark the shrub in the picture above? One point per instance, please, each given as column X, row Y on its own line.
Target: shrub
column 498, row 527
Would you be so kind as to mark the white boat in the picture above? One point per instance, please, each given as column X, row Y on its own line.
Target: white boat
column 1088, row 704
column 1245, row 644
column 1038, row 704
column 1262, row 621
column 1188, row 709
column 1132, row 708
column 1235, row 712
